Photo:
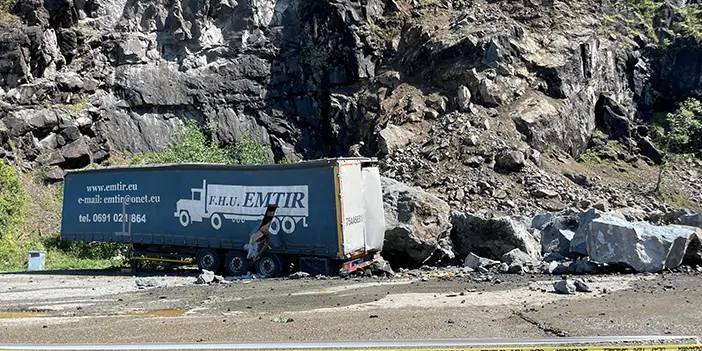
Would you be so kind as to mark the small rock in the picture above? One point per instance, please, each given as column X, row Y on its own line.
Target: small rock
column 283, row 320
column 474, row 261
column 581, row 286
column 516, row 268
column 549, row 267
column 299, row 275
column 471, row 140
column 541, row 193
column 53, row 174
column 463, row 99
column 516, row 256
column 577, row 178
column 602, row 206
column 564, row 287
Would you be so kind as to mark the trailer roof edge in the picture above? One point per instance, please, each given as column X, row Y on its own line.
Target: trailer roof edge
column 301, row 164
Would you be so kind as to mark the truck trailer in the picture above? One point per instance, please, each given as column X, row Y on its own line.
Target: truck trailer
column 324, row 215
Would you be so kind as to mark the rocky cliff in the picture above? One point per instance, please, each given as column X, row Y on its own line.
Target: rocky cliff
column 488, row 104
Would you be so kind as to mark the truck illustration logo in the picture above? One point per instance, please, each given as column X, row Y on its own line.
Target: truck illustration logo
column 245, row 203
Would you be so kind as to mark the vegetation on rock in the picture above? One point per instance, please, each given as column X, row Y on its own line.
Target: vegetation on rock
column 196, row 147
column 638, row 19
column 18, row 233
column 6, row 16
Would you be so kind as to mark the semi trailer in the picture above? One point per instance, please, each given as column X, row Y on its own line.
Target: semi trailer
column 319, row 216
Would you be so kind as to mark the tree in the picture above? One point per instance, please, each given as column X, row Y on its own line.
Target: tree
column 681, row 132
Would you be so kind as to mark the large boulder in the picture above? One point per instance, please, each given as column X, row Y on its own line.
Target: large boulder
column 509, row 160
column 577, row 243
column 694, row 220
column 492, row 238
column 557, row 235
column 517, row 256
column 393, row 137
column 693, row 255
column 415, row 220
column 640, row 245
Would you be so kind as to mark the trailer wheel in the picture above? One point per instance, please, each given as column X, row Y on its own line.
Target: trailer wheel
column 269, row 266
column 216, row 221
column 208, row 259
column 184, row 218
column 288, row 225
column 236, row 263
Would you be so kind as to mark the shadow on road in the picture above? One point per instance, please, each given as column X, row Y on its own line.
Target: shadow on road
column 179, row 272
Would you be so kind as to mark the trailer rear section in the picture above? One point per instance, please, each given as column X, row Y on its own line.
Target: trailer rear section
column 327, row 213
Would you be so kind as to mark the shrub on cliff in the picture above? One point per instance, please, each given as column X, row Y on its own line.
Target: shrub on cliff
column 195, row 147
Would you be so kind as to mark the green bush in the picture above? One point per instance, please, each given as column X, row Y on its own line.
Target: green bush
column 13, row 208
column 84, row 249
column 247, row 151
column 315, row 57
column 684, row 127
column 691, row 25
column 16, row 240
column 197, row 148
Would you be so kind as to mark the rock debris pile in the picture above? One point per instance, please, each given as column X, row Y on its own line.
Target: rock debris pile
column 569, row 241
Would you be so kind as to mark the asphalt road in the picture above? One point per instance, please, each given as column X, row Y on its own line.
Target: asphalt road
column 110, row 307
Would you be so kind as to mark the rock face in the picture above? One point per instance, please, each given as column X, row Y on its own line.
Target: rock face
column 414, row 220
column 139, row 70
column 492, row 238
column 644, row 247
column 458, row 97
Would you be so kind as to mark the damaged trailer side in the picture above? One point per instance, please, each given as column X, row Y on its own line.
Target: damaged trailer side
column 318, row 216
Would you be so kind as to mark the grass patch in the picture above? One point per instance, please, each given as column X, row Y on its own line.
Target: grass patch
column 673, row 197
column 77, row 108
column 196, row 147
column 590, row 157
column 7, row 18
column 13, row 210
column 89, row 34
column 635, row 18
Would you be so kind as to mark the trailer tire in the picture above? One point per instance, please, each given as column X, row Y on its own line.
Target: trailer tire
column 209, row 259
column 216, row 221
column 236, row 263
column 184, row 218
column 288, row 225
column 269, row 266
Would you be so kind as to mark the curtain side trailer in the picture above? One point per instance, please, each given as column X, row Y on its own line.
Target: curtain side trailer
column 328, row 214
